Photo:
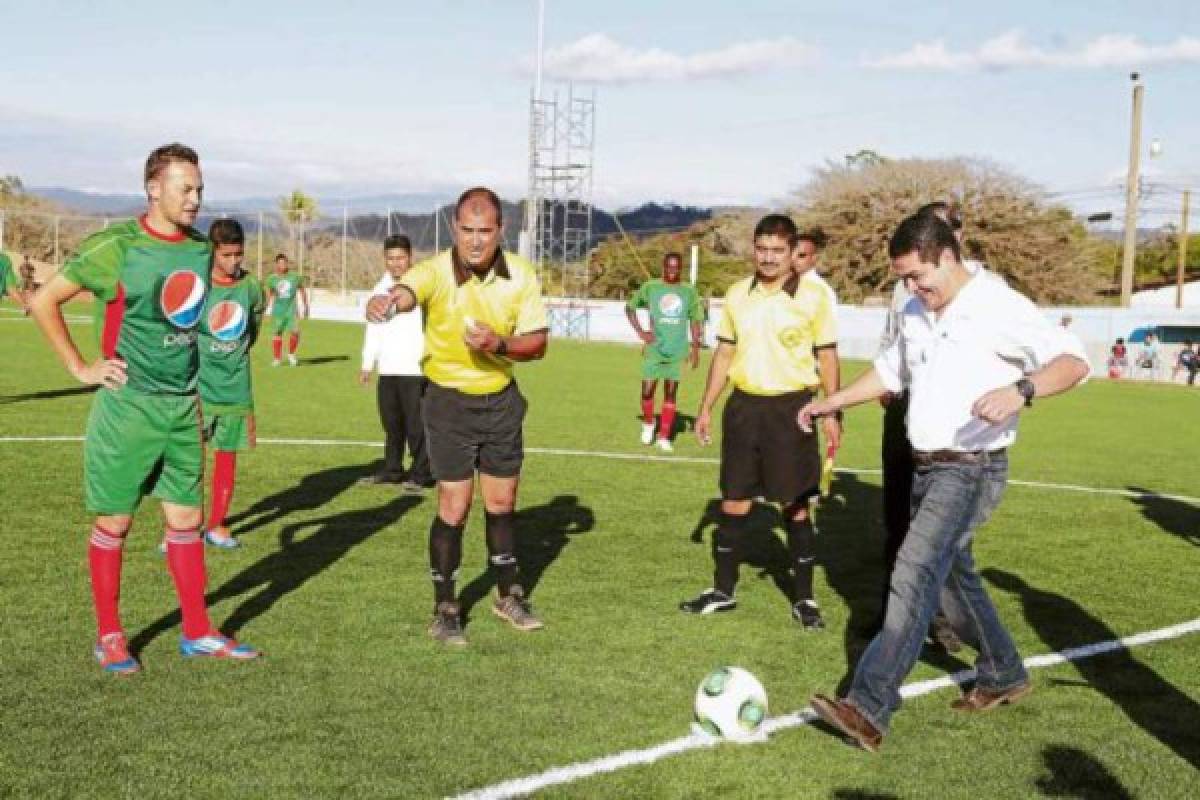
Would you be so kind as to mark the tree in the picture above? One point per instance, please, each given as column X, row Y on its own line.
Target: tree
column 297, row 210
column 1041, row 249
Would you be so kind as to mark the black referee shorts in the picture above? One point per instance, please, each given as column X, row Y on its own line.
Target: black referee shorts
column 764, row 453
column 468, row 432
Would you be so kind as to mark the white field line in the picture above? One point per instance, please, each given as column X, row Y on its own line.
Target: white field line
column 556, row 776
column 554, row 451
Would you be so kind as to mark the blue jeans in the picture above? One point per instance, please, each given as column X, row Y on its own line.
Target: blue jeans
column 949, row 502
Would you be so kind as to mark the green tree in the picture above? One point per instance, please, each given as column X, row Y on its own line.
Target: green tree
column 298, row 210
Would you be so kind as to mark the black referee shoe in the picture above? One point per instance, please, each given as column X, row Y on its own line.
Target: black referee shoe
column 808, row 615
column 710, row 601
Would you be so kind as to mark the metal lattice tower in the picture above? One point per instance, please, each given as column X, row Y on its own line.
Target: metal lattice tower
column 561, row 150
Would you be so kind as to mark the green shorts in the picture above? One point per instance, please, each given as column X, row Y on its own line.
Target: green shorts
column 656, row 367
column 285, row 323
column 142, row 444
column 229, row 432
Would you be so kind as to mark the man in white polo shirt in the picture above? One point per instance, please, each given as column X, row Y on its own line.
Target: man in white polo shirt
column 972, row 353
column 395, row 348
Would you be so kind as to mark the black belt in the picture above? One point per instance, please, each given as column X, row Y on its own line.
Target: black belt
column 927, row 458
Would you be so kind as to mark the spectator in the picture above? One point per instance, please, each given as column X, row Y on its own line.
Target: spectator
column 1118, row 360
column 1147, row 358
column 1186, row 361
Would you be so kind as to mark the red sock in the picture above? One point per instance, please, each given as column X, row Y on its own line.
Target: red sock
column 104, row 562
column 667, row 420
column 648, row 410
column 224, row 469
column 185, row 559
column 277, row 347
column 293, row 340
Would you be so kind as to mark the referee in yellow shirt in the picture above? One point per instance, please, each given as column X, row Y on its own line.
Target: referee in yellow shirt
column 776, row 334
column 483, row 311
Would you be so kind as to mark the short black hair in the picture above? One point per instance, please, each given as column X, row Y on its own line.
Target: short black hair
column 928, row 236
column 948, row 212
column 398, row 241
column 226, row 231
column 776, row 225
column 485, row 193
column 281, row 256
column 816, row 237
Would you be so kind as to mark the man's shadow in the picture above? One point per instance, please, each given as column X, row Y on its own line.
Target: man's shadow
column 1075, row 774
column 541, row 534
column 315, row 360
column 49, row 394
column 1151, row 703
column 291, row 566
column 312, row 492
column 763, row 549
column 1173, row 516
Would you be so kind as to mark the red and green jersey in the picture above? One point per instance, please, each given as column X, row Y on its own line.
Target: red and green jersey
column 8, row 278
column 672, row 306
column 228, row 329
column 284, row 287
column 150, row 292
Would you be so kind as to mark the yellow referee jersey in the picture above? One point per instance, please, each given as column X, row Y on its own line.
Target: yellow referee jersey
column 508, row 298
column 774, row 332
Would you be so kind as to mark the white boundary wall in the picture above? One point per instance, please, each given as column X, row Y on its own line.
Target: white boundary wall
column 858, row 326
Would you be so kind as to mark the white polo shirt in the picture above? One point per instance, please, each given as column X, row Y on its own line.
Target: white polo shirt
column 814, row 277
column 987, row 337
column 395, row 346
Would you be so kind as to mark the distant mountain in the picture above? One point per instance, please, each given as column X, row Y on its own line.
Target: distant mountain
column 92, row 202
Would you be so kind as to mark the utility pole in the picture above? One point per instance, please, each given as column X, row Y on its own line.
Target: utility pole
column 345, row 234
column 526, row 244
column 1132, row 184
column 1183, row 249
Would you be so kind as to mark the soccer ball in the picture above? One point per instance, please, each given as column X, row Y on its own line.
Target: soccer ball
column 732, row 704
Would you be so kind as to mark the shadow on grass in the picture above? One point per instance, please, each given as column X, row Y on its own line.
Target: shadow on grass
column 1073, row 773
column 861, row 794
column 762, row 549
column 50, row 394
column 542, row 532
column 1173, row 516
column 317, row 360
column 1151, row 703
column 312, row 492
column 297, row 561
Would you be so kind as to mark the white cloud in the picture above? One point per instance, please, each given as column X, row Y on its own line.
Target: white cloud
column 598, row 58
column 1010, row 51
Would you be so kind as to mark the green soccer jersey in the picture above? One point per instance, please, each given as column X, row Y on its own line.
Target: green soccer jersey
column 150, row 292
column 285, row 287
column 672, row 306
column 8, row 278
column 228, row 329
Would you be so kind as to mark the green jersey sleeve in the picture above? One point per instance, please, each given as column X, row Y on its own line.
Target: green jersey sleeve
column 97, row 265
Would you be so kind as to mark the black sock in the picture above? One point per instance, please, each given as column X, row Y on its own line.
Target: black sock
column 727, row 552
column 445, row 554
column 802, row 550
column 501, row 544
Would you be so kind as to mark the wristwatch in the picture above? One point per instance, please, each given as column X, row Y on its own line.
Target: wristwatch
column 502, row 347
column 1026, row 389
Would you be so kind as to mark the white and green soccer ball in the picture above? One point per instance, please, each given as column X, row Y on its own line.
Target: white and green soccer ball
column 731, row 704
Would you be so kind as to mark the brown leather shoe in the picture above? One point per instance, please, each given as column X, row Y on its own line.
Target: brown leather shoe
column 847, row 719
column 979, row 699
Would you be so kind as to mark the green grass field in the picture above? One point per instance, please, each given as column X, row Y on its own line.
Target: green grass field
column 354, row 700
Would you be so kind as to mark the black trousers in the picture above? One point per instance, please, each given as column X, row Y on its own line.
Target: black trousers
column 399, row 399
column 897, row 483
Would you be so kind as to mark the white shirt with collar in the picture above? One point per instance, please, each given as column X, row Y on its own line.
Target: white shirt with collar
column 395, row 346
column 986, row 338
column 815, row 278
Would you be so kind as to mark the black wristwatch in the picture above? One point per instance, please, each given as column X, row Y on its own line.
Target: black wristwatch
column 1027, row 390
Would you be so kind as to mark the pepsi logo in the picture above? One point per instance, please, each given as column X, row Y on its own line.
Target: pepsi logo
column 284, row 289
column 227, row 321
column 670, row 305
column 182, row 298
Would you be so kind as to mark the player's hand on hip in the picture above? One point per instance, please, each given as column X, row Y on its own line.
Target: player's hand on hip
column 704, row 427
column 480, row 336
column 831, row 426
column 998, row 405
column 106, row 372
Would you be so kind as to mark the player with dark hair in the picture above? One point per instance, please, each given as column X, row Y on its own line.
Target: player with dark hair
column 228, row 329
column 676, row 329
column 483, row 311
column 149, row 277
column 282, row 290
column 10, row 284
column 775, row 335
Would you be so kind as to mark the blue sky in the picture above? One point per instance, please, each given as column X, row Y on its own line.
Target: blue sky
column 699, row 101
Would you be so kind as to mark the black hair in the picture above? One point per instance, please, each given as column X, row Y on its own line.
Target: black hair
column 398, row 241
column 226, row 231
column 816, row 237
column 280, row 256
column 948, row 212
column 485, row 193
column 776, row 225
column 927, row 235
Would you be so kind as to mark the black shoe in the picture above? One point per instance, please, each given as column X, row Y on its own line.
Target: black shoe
column 447, row 625
column 808, row 615
column 710, row 601
column 381, row 478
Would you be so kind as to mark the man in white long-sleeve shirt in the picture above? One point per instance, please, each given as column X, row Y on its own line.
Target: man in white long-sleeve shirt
column 395, row 348
column 972, row 353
